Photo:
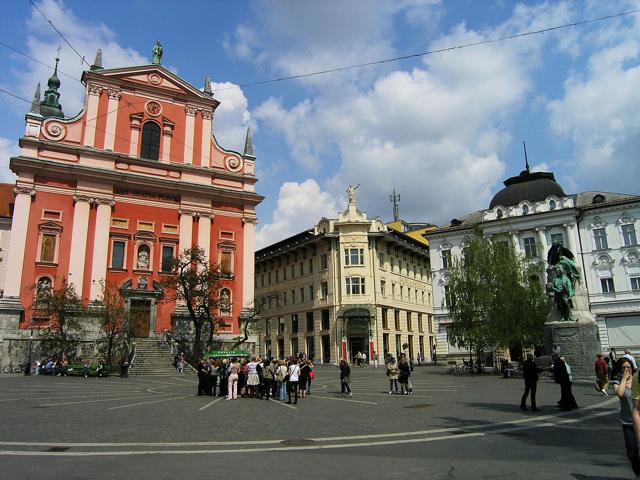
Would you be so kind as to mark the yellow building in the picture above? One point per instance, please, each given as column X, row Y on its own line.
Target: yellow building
column 347, row 285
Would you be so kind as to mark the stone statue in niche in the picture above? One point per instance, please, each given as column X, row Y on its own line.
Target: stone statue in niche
column 143, row 258
column 142, row 283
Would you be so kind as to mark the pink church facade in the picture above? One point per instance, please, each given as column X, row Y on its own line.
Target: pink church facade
column 112, row 193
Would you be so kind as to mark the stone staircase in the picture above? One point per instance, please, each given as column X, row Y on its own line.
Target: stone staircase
column 153, row 357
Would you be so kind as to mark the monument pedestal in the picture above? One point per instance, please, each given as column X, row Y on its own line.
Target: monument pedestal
column 578, row 342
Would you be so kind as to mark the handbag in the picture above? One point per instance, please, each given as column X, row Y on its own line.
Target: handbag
column 312, row 375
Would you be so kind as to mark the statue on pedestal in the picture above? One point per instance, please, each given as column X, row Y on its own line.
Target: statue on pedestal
column 563, row 275
column 156, row 59
column 351, row 192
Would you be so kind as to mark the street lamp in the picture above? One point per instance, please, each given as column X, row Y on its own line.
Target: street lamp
column 27, row 370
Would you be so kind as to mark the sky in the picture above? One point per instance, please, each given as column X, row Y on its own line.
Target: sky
column 445, row 129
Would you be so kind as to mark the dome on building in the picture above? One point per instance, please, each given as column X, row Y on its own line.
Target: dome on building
column 533, row 187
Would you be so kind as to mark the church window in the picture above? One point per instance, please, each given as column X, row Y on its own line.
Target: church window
column 117, row 254
column 446, row 259
column 48, row 248
column 43, row 291
column 150, row 145
column 168, row 253
column 226, row 263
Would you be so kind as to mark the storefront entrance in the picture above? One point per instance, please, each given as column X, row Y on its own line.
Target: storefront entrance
column 358, row 344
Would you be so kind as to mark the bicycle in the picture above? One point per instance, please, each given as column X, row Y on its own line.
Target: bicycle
column 14, row 368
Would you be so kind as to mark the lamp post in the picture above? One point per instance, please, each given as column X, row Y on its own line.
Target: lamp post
column 27, row 370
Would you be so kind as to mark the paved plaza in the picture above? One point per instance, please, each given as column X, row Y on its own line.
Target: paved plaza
column 452, row 427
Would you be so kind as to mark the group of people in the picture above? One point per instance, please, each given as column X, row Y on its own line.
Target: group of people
column 562, row 375
column 256, row 378
column 60, row 367
column 626, row 385
column 399, row 372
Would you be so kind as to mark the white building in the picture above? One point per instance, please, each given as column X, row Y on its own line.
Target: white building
column 532, row 212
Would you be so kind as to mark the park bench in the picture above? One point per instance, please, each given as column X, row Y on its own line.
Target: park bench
column 78, row 370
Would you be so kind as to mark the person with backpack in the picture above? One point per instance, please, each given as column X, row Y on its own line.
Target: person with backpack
column 267, row 379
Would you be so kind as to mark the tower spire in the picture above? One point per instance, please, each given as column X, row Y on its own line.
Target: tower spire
column 526, row 160
column 50, row 106
column 97, row 63
column 35, row 103
column 248, row 145
column 395, row 199
column 207, row 86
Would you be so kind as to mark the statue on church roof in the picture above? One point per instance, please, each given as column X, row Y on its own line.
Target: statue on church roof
column 156, row 59
column 351, row 191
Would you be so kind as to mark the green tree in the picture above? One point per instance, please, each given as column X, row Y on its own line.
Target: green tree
column 195, row 284
column 112, row 315
column 250, row 318
column 496, row 298
column 56, row 314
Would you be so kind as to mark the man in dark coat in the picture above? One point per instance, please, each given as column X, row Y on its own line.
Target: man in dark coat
column 530, row 371
column 202, row 380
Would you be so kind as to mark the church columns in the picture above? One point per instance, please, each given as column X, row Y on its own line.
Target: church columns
column 248, row 261
column 189, row 133
column 79, row 241
column 100, row 245
column 92, row 112
column 204, row 234
column 186, row 230
column 167, row 133
column 112, row 117
column 19, row 224
column 207, row 115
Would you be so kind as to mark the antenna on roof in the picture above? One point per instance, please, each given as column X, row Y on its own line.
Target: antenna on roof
column 395, row 199
column 526, row 160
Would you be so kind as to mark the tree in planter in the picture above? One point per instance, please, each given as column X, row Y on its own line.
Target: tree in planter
column 250, row 318
column 196, row 284
column 62, row 309
column 113, row 316
column 496, row 298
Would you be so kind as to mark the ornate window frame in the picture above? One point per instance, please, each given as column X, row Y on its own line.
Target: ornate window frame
column 48, row 229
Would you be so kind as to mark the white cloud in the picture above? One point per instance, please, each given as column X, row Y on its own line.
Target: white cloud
column 232, row 116
column 437, row 131
column 300, row 206
column 43, row 41
column 8, row 149
column 600, row 113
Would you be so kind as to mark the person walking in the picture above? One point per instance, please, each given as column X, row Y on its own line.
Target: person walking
column 623, row 386
column 312, row 375
column 375, row 359
column 232, row 389
column 530, row 372
column 613, row 361
column 404, row 370
column 180, row 364
column 214, row 365
column 294, row 375
column 345, row 378
column 392, row 373
column 565, row 379
column 602, row 375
